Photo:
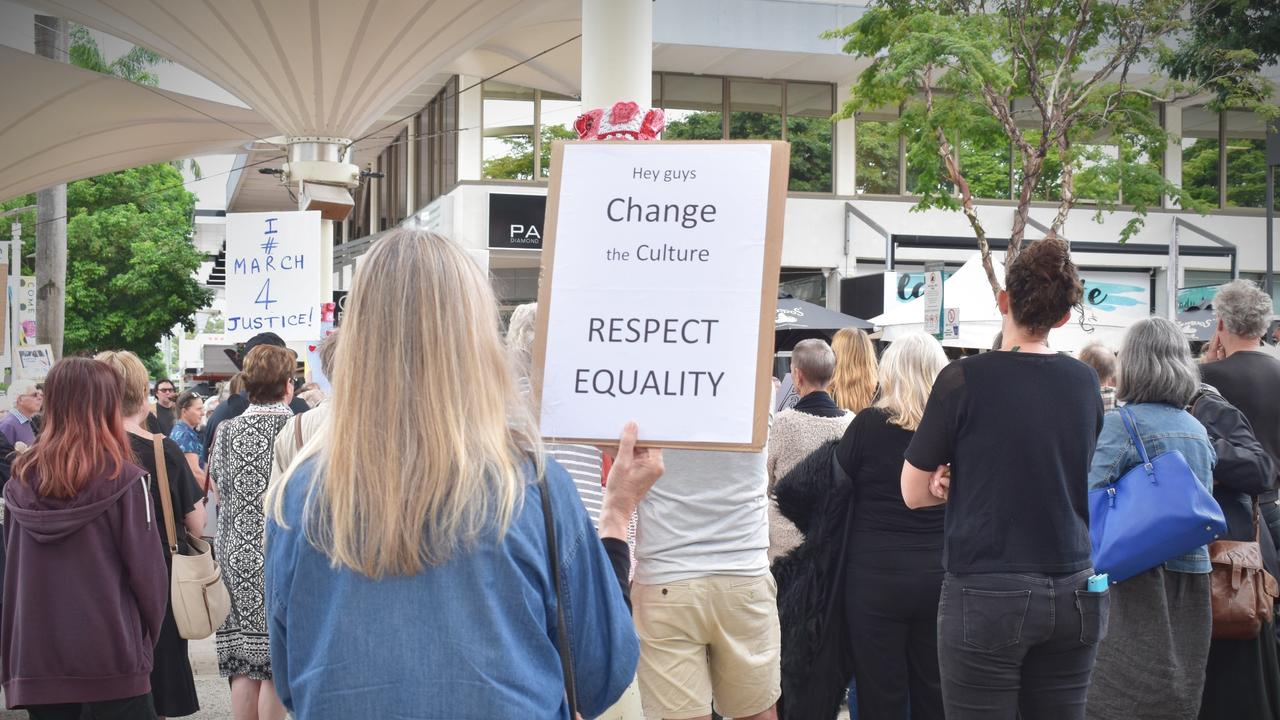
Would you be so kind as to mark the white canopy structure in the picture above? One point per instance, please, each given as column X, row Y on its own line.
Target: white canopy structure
column 979, row 319
column 60, row 123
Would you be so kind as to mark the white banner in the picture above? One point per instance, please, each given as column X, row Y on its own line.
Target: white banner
column 273, row 275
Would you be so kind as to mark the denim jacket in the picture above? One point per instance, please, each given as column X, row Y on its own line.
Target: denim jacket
column 1163, row 428
column 471, row 639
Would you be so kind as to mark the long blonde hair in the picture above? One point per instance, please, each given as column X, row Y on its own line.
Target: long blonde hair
column 854, row 385
column 907, row 371
column 426, row 437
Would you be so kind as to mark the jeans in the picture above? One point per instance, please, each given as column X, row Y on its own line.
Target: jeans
column 1011, row 644
column 134, row 708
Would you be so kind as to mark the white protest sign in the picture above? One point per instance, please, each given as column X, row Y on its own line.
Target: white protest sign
column 273, row 275
column 659, row 273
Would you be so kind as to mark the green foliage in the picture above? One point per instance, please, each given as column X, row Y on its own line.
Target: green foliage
column 810, row 139
column 517, row 163
column 134, row 66
column 695, row 126
column 130, row 259
column 1079, row 129
column 1228, row 43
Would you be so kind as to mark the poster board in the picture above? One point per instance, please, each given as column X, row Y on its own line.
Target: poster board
column 670, row 303
column 22, row 294
column 33, row 362
column 273, row 275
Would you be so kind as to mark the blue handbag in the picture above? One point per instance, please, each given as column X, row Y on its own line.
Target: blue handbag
column 1153, row 513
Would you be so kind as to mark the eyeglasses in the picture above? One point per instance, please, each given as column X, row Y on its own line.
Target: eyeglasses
column 171, row 391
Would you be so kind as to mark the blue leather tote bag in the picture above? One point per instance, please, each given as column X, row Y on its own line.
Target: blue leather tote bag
column 1153, row 513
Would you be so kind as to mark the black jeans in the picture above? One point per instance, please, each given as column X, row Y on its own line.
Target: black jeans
column 1018, row 643
column 892, row 607
column 134, row 708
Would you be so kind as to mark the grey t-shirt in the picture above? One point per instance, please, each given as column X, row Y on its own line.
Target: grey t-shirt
column 707, row 515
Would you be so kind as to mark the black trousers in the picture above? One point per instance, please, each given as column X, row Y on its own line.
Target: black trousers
column 1018, row 643
column 892, row 607
column 134, row 708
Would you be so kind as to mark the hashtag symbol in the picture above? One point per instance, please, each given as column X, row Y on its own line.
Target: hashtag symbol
column 269, row 245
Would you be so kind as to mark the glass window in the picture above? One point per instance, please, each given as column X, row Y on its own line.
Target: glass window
column 876, row 155
column 1246, row 160
column 508, row 132
column 693, row 106
column 557, row 114
column 755, row 110
column 1200, row 154
column 809, row 109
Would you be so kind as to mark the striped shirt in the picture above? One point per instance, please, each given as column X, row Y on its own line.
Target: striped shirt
column 584, row 466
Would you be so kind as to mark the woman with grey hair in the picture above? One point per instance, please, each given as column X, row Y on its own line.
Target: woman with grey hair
column 1151, row 663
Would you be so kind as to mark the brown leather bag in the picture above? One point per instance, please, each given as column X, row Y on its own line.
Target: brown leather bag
column 1244, row 593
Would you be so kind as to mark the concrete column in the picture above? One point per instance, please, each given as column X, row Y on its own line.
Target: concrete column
column 846, row 138
column 617, row 52
column 470, row 109
column 52, row 36
column 1173, row 152
column 326, row 261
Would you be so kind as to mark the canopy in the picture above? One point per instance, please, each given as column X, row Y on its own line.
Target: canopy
column 799, row 320
column 1197, row 323
column 61, row 123
column 979, row 318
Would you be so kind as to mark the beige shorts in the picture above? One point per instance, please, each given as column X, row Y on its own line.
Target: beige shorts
column 715, row 636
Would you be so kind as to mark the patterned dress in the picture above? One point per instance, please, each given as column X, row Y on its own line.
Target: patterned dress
column 240, row 465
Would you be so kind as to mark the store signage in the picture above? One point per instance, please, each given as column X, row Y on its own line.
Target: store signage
column 658, row 294
column 933, row 295
column 273, row 275
column 516, row 221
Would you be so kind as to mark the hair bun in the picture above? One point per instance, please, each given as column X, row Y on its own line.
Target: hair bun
column 1043, row 285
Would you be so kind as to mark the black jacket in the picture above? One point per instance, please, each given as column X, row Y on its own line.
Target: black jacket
column 817, row 662
column 1244, row 469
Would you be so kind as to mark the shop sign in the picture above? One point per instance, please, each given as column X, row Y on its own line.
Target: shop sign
column 658, row 293
column 516, row 221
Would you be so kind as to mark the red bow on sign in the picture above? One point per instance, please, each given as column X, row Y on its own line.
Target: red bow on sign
column 588, row 124
column 311, row 348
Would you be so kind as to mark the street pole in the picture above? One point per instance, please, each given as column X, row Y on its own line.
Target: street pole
column 51, row 216
column 1271, row 218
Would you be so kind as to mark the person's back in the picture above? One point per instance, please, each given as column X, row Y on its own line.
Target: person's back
column 471, row 638
column 1250, row 380
column 708, row 516
column 705, row 603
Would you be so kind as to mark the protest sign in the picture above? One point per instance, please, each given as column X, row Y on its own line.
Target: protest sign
column 659, row 276
column 273, row 275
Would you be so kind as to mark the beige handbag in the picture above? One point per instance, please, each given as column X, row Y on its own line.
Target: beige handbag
column 198, row 596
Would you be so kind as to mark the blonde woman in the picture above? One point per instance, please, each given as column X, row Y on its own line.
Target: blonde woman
column 407, row 566
column 854, row 385
column 894, row 556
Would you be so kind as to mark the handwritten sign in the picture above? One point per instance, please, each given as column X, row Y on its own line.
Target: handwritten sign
column 659, row 278
column 273, row 275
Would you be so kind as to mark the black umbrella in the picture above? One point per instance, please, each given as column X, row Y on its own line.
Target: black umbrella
column 798, row 320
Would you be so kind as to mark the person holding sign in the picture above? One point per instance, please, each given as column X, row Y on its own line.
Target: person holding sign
column 409, row 566
column 1016, row 431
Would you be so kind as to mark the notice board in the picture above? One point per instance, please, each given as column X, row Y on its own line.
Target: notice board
column 659, row 281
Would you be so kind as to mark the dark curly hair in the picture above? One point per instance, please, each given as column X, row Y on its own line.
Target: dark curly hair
column 1043, row 285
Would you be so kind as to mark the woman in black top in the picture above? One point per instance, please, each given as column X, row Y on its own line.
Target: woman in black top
column 1006, row 441
column 173, row 687
column 894, row 571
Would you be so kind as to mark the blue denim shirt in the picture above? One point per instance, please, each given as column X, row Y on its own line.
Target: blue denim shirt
column 1163, row 428
column 473, row 639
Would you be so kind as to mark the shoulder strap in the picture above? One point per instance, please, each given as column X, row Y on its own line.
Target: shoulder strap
column 562, row 630
column 1130, row 424
column 297, row 431
column 166, row 500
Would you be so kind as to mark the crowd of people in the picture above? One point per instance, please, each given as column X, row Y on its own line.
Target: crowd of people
column 912, row 542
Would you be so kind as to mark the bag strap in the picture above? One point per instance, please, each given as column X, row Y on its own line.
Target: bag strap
column 1130, row 424
column 562, row 630
column 297, row 431
column 166, row 501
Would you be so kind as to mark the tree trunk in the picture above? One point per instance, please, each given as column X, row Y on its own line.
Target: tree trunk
column 51, row 216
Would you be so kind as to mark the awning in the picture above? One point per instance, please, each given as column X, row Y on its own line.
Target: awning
column 60, row 123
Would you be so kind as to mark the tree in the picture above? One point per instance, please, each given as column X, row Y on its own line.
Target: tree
column 517, row 163
column 130, row 259
column 1080, row 124
column 1227, row 37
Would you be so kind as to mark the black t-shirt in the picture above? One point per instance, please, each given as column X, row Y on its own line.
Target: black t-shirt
column 164, row 418
column 1019, row 430
column 1251, row 381
column 871, row 454
column 182, row 485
